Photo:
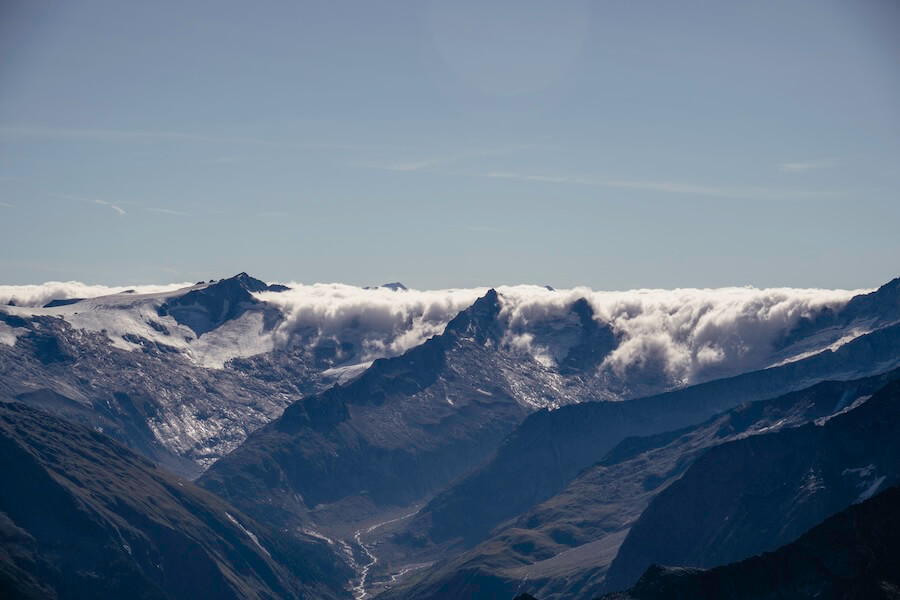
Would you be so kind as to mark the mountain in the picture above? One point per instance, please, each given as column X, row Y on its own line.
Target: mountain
column 562, row 548
column 755, row 494
column 180, row 376
column 852, row 555
column 183, row 375
column 341, row 411
column 551, row 447
column 405, row 427
column 206, row 308
column 863, row 313
column 83, row 517
column 114, row 365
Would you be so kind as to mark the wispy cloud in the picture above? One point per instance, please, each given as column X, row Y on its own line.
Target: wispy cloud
column 168, row 211
column 143, row 136
column 6, row 205
column 272, row 213
column 668, row 187
column 809, row 165
column 112, row 206
column 118, row 204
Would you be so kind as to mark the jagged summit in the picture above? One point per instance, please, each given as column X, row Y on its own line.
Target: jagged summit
column 479, row 320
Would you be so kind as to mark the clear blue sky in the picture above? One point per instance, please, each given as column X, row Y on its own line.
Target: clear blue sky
column 615, row 144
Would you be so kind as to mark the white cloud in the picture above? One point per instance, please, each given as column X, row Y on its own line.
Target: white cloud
column 381, row 322
column 682, row 335
column 40, row 294
column 689, row 333
column 117, row 209
column 6, row 205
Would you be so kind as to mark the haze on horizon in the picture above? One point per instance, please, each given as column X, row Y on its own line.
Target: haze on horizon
column 607, row 144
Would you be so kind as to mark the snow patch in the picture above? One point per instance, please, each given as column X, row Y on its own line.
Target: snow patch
column 347, row 373
column 856, row 403
column 849, row 337
column 317, row 535
column 249, row 533
column 869, row 482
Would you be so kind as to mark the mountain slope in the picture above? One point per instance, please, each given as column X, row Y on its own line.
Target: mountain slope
column 81, row 516
column 754, row 494
column 207, row 308
column 561, row 548
column 406, row 426
column 183, row 375
column 550, row 447
column 852, row 555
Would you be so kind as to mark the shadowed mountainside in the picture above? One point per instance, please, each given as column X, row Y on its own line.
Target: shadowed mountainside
column 755, row 494
column 852, row 555
column 561, row 548
column 81, row 516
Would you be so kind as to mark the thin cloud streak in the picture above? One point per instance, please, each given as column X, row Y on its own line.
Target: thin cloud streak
column 143, row 136
column 809, row 165
column 5, row 205
column 421, row 164
column 117, row 205
column 168, row 211
column 114, row 207
column 667, row 187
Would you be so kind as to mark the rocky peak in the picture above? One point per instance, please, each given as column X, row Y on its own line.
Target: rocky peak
column 206, row 308
column 480, row 320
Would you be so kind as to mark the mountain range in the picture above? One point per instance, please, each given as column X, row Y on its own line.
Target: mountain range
column 460, row 443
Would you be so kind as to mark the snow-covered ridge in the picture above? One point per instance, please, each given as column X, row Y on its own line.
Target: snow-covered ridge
column 690, row 334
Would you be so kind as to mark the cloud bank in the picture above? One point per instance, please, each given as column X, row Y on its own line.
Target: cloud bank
column 683, row 335
column 380, row 322
column 41, row 294
column 687, row 334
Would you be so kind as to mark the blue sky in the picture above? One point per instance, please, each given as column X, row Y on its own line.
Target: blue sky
column 612, row 144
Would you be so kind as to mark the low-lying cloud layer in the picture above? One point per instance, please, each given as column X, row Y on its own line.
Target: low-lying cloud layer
column 684, row 335
column 39, row 295
column 689, row 334
column 380, row 322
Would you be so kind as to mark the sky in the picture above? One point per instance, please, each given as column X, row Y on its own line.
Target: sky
column 612, row 144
